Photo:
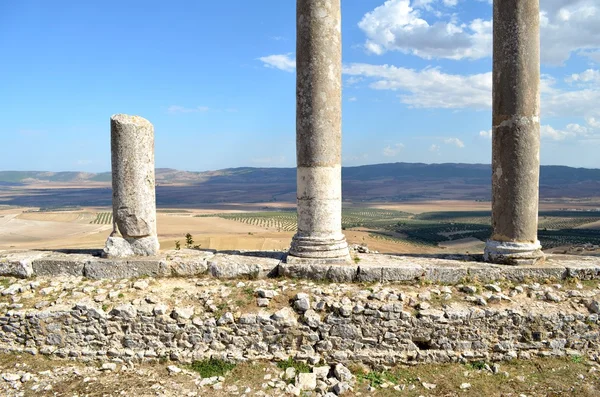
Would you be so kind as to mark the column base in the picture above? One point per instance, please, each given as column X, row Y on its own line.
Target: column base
column 513, row 253
column 119, row 247
column 319, row 249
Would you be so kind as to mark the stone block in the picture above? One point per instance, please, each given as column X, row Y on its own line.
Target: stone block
column 67, row 266
column 403, row 272
column 248, row 265
column 18, row 263
column 116, row 269
column 369, row 274
column 446, row 274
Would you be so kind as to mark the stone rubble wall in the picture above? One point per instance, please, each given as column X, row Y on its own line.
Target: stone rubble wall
column 374, row 333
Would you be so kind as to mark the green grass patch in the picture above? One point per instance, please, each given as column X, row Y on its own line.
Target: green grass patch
column 299, row 366
column 211, row 367
column 376, row 379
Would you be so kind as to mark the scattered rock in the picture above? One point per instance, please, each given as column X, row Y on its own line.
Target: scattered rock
column 182, row 313
column 266, row 293
column 307, row 381
column 109, row 367
column 594, row 306
column 302, row 302
column 262, row 302
column 552, row 297
column 342, row 373
column 321, row 372
column 493, row 288
column 140, row 284
column 11, row 377
column 285, row 317
column 468, row 289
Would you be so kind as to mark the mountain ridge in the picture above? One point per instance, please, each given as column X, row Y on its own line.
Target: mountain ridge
column 370, row 171
column 387, row 182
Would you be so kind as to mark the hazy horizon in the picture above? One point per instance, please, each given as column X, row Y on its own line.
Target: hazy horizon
column 288, row 167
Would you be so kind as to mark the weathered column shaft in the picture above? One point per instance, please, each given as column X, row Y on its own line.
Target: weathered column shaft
column 515, row 133
column 134, row 199
column 319, row 131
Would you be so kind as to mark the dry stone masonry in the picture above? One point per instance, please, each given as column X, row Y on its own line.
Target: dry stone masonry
column 515, row 133
column 379, row 325
column 319, row 133
column 134, row 198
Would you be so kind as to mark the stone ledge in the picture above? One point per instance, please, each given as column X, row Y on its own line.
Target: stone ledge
column 450, row 269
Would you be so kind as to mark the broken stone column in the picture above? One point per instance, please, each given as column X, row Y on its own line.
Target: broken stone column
column 515, row 134
column 134, row 200
column 319, row 133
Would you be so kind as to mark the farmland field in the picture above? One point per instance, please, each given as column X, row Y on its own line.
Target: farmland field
column 438, row 228
column 103, row 218
column 431, row 227
column 287, row 220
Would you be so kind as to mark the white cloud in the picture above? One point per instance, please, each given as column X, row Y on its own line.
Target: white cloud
column 350, row 81
column 571, row 131
column 279, row 61
column 454, row 141
column 393, row 150
column 430, row 87
column 486, row 134
column 398, row 26
column 434, row 148
column 549, row 132
column 588, row 76
column 174, row 109
column 566, row 27
column 352, row 99
column 592, row 122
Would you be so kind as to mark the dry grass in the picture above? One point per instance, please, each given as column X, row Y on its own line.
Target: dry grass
column 537, row 377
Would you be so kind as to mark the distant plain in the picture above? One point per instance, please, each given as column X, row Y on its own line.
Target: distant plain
column 391, row 208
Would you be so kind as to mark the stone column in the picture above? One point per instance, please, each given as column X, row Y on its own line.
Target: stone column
column 134, row 200
column 319, row 133
column 515, row 134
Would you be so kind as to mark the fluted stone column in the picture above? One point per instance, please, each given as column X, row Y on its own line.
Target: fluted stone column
column 319, row 132
column 134, row 200
column 515, row 134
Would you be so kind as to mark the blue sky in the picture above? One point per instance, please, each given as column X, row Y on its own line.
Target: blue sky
column 217, row 80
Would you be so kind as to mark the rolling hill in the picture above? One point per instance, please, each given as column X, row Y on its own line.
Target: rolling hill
column 378, row 182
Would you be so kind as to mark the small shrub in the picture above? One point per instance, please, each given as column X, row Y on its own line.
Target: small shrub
column 189, row 240
column 576, row 359
column 177, row 245
column 356, row 259
column 211, row 367
column 477, row 365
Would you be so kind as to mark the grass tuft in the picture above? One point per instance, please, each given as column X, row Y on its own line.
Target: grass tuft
column 376, row 379
column 299, row 366
column 211, row 367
